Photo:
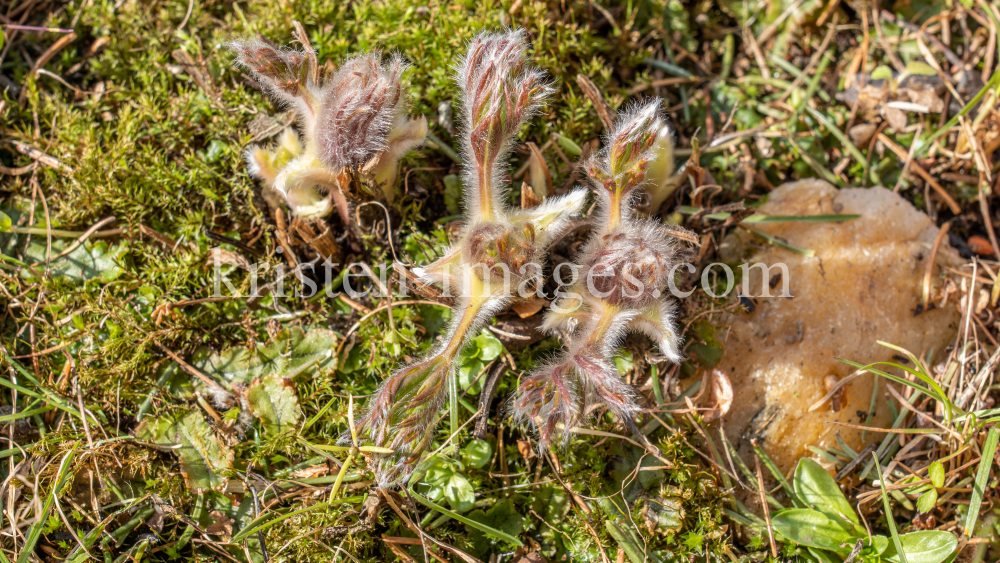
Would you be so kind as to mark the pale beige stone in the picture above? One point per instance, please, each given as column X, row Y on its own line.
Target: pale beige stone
column 862, row 285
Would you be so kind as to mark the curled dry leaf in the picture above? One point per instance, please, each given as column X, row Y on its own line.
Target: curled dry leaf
column 529, row 308
column 721, row 398
column 525, row 449
column 980, row 245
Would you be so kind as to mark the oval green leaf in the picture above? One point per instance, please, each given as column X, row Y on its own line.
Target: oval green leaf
column 810, row 528
column 927, row 501
column 936, row 473
column 477, row 453
column 930, row 546
column 817, row 489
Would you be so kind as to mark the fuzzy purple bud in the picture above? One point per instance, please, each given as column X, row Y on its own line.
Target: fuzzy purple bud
column 358, row 110
column 499, row 95
column 401, row 417
column 281, row 71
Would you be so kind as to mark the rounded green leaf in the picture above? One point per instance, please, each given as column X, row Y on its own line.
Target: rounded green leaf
column 930, row 546
column 881, row 543
column 5, row 222
column 477, row 453
column 468, row 371
column 458, row 492
column 810, row 528
column 917, row 67
column 273, row 400
column 882, row 72
column 927, row 501
column 489, row 348
column 818, row 490
column 936, row 473
column 568, row 146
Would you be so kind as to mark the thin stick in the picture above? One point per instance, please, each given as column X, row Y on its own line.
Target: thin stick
column 93, row 229
column 191, row 369
column 930, row 263
column 763, row 502
column 901, row 153
column 44, row 59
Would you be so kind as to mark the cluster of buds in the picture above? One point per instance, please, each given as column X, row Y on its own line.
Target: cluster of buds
column 498, row 249
column 626, row 267
column 353, row 124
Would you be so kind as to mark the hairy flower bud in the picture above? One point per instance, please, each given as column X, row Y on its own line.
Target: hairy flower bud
column 353, row 124
column 626, row 268
column 401, row 417
column 630, row 265
column 281, row 72
column 499, row 95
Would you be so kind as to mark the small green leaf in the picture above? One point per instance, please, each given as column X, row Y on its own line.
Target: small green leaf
column 568, row 146
column 811, row 528
column 927, row 501
column 916, row 67
column 442, row 482
column 488, row 346
column 929, row 546
column 458, row 492
column 818, row 490
column 468, row 371
column 273, row 400
column 882, row 72
column 881, row 543
column 291, row 353
column 203, row 456
column 477, row 453
column 5, row 223
column 936, row 473
column 623, row 362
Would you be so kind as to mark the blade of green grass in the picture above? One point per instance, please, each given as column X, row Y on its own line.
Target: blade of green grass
column 786, row 484
column 813, row 163
column 468, row 521
column 25, row 414
column 35, row 532
column 668, row 68
column 44, row 394
column 994, row 80
column 257, row 523
column 982, row 476
column 434, row 142
column 934, row 391
column 824, row 62
column 855, row 152
column 781, row 243
column 689, row 210
column 888, row 513
column 777, row 83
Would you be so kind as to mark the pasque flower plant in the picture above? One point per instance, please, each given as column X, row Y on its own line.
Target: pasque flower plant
column 353, row 124
column 497, row 255
column 625, row 269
